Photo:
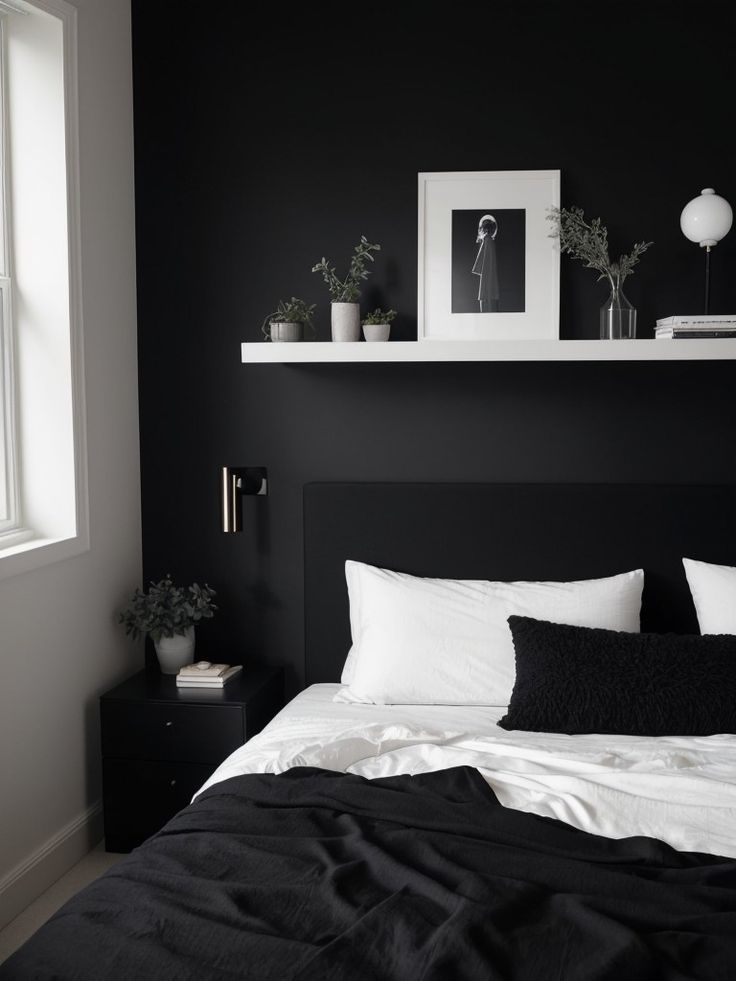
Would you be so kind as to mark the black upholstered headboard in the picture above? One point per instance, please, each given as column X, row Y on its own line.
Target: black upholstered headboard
column 506, row 532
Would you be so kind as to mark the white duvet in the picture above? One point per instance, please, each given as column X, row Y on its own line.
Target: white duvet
column 679, row 789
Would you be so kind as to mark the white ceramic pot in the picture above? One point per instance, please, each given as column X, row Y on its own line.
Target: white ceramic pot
column 174, row 652
column 286, row 331
column 345, row 322
column 376, row 332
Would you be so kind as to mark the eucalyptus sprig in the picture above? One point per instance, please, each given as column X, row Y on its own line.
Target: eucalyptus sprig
column 588, row 242
column 347, row 290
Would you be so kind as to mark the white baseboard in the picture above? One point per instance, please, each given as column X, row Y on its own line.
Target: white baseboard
column 48, row 863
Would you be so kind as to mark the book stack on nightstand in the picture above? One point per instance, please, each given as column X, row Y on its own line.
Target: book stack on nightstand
column 160, row 742
column 205, row 674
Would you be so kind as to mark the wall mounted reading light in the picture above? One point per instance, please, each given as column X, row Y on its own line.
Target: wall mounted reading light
column 235, row 483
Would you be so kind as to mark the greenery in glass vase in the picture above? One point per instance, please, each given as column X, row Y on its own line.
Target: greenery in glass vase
column 588, row 242
column 165, row 609
column 347, row 290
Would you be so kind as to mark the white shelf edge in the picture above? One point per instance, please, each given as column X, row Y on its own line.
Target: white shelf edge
column 328, row 352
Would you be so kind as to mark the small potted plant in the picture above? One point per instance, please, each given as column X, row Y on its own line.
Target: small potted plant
column 377, row 325
column 345, row 293
column 168, row 614
column 289, row 321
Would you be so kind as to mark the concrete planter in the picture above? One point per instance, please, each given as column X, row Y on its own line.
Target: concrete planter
column 345, row 322
column 376, row 332
column 286, row 331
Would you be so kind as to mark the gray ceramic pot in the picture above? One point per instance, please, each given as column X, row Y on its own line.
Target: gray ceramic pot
column 285, row 331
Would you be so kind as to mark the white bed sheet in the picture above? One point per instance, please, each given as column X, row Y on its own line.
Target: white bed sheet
column 679, row 789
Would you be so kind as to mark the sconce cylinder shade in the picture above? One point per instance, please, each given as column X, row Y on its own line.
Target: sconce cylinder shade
column 234, row 483
column 231, row 510
column 706, row 219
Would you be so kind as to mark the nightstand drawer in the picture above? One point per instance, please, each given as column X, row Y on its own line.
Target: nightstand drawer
column 139, row 797
column 160, row 743
column 157, row 731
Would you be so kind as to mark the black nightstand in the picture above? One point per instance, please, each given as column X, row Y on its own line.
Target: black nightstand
column 160, row 743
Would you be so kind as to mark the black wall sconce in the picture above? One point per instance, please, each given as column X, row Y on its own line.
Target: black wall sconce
column 235, row 483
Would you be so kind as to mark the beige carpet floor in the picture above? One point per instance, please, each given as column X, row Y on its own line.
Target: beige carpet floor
column 35, row 915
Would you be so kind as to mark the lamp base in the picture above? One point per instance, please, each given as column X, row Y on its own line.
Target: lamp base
column 707, row 277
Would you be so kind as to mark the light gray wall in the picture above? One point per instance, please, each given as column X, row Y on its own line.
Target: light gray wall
column 60, row 645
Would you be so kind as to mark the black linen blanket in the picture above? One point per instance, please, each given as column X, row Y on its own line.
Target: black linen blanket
column 313, row 875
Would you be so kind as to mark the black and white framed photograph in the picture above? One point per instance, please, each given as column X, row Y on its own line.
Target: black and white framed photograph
column 488, row 268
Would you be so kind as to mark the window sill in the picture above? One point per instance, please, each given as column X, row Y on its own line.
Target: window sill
column 16, row 536
column 38, row 552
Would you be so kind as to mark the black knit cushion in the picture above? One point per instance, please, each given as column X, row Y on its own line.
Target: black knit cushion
column 581, row 679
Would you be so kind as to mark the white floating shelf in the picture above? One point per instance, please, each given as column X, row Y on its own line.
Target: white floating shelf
column 324, row 352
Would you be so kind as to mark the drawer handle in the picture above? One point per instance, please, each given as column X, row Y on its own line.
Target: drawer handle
column 172, row 783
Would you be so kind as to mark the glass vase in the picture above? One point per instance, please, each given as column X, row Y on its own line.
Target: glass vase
column 618, row 317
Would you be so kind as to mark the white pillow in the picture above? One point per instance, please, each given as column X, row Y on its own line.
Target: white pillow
column 713, row 589
column 447, row 641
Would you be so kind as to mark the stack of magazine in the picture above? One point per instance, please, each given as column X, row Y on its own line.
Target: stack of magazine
column 204, row 674
column 706, row 325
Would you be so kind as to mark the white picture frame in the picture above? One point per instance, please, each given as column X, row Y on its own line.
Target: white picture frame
column 509, row 264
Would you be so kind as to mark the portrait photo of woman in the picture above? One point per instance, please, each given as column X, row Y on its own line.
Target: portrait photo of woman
column 485, row 265
column 488, row 261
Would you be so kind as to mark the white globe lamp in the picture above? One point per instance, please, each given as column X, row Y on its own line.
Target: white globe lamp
column 706, row 220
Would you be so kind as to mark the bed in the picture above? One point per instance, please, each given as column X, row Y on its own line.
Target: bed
column 355, row 839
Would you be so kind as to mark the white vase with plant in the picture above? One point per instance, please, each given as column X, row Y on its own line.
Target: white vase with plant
column 169, row 614
column 377, row 325
column 588, row 242
column 345, row 292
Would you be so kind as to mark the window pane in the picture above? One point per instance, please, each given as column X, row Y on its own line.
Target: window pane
column 5, row 475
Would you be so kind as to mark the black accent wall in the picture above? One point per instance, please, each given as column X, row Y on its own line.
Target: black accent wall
column 265, row 143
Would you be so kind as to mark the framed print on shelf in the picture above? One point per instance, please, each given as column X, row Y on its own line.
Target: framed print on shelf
column 488, row 268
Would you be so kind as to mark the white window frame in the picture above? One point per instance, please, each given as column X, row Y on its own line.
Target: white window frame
column 23, row 544
column 10, row 516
